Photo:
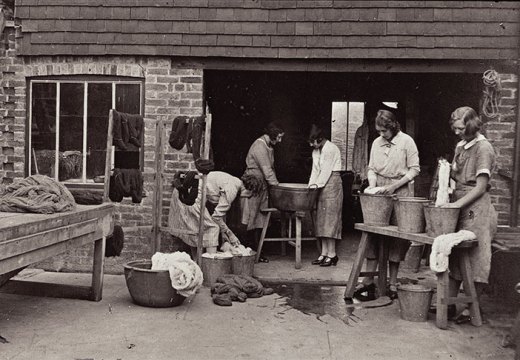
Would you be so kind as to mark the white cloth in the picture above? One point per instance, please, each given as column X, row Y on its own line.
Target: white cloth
column 185, row 274
column 239, row 250
column 443, row 191
column 324, row 162
column 442, row 245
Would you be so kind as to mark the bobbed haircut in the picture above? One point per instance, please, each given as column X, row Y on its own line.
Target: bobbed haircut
column 316, row 133
column 273, row 130
column 387, row 120
column 470, row 119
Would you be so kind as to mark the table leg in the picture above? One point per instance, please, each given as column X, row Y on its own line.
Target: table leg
column 284, row 232
column 382, row 266
column 443, row 286
column 469, row 288
column 97, row 269
column 262, row 236
column 298, row 221
column 356, row 267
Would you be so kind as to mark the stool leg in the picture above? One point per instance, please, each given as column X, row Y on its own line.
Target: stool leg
column 283, row 225
column 382, row 266
column 262, row 236
column 358, row 263
column 298, row 221
column 443, row 285
column 469, row 288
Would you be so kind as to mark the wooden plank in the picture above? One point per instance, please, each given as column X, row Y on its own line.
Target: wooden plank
column 469, row 288
column 98, row 269
column 298, row 252
column 158, row 193
column 288, row 239
column 392, row 231
column 262, row 236
column 32, row 242
column 443, row 280
column 108, row 156
column 356, row 267
column 34, row 288
column 207, row 144
column 40, row 254
column 382, row 267
column 22, row 224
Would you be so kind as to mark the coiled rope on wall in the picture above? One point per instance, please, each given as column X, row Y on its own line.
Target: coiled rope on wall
column 491, row 93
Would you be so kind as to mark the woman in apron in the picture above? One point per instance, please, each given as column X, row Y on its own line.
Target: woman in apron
column 325, row 175
column 472, row 166
column 260, row 163
column 394, row 163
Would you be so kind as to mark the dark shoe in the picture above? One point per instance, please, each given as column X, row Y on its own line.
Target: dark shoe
column 263, row 259
column 392, row 292
column 319, row 260
column 369, row 289
column 328, row 261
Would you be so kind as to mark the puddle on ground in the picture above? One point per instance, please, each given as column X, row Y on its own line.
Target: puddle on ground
column 317, row 300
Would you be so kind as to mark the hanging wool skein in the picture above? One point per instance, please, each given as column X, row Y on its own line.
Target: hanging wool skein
column 491, row 93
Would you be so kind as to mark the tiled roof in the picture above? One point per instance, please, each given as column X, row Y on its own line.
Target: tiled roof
column 295, row 29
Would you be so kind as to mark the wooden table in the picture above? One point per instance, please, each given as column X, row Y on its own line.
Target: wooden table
column 443, row 298
column 27, row 238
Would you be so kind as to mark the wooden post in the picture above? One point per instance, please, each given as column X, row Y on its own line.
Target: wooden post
column 158, row 193
column 108, row 157
column 205, row 155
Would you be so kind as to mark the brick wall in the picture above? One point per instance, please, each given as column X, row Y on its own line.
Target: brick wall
column 169, row 91
column 501, row 133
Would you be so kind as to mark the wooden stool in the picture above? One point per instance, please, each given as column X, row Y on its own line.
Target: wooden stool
column 294, row 241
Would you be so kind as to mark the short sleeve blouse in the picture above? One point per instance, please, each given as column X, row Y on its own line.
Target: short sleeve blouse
column 469, row 162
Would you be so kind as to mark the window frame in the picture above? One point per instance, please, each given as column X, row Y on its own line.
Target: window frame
column 85, row 80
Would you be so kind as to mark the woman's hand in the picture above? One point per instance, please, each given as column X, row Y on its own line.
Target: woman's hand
column 387, row 190
column 454, row 205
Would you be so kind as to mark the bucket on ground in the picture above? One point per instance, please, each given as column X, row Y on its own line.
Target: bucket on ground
column 377, row 209
column 152, row 288
column 243, row 264
column 215, row 265
column 410, row 214
column 440, row 220
column 413, row 257
column 414, row 301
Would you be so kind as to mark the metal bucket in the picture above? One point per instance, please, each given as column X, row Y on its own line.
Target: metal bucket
column 414, row 301
column 243, row 265
column 152, row 288
column 377, row 209
column 293, row 197
column 212, row 268
column 440, row 220
column 410, row 214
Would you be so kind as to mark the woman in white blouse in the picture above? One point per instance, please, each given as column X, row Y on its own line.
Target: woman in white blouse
column 326, row 166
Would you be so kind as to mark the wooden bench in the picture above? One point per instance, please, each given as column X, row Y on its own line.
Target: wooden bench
column 26, row 239
column 443, row 298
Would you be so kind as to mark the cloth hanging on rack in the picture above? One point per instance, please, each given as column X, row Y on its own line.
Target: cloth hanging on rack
column 126, row 182
column 127, row 131
column 179, row 132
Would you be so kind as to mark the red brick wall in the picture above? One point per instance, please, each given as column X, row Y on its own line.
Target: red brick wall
column 501, row 133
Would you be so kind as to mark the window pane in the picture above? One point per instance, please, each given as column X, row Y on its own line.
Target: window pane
column 98, row 105
column 71, row 132
column 128, row 101
column 43, row 129
column 128, row 98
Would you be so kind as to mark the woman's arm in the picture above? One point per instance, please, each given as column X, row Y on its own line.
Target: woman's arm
column 474, row 194
column 261, row 156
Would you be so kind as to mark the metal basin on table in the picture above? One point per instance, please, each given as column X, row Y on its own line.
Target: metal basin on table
column 293, row 197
